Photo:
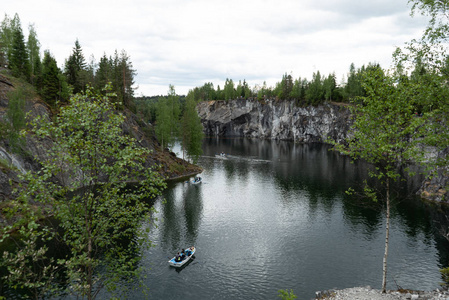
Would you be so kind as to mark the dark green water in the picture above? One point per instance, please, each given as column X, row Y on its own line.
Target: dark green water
column 274, row 215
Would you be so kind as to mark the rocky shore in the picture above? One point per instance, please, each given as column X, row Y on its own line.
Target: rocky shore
column 368, row 293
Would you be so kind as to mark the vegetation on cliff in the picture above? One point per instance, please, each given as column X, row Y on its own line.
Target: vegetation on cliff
column 99, row 216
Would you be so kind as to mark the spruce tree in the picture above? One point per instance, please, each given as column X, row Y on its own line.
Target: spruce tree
column 19, row 63
column 50, row 79
column 75, row 68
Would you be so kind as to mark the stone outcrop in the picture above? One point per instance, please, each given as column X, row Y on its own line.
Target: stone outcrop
column 284, row 120
column 273, row 119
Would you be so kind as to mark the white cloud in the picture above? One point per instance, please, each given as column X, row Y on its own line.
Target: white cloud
column 188, row 43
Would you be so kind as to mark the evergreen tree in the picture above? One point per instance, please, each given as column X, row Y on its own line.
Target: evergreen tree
column 50, row 79
column 315, row 91
column 104, row 73
column 123, row 78
column 19, row 63
column 7, row 32
column 75, row 68
column 246, row 90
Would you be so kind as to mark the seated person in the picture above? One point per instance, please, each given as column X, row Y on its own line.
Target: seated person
column 178, row 257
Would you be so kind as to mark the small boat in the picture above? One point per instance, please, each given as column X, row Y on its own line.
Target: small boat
column 197, row 180
column 221, row 155
column 189, row 252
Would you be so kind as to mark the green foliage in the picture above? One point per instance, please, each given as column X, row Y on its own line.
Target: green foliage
column 75, row 67
column 191, row 130
column 51, row 80
column 382, row 131
column 286, row 295
column 445, row 275
column 99, row 213
column 16, row 115
column 18, row 60
column 168, row 112
column 7, row 31
column 34, row 58
column 229, row 92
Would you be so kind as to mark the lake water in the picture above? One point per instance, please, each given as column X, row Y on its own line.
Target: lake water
column 274, row 215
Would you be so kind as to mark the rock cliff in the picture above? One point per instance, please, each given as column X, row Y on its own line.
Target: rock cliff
column 273, row 119
column 283, row 120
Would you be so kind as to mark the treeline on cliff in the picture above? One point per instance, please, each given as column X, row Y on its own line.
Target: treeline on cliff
column 301, row 90
column 54, row 84
column 321, row 88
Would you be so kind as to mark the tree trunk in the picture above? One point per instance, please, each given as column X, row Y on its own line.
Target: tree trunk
column 387, row 235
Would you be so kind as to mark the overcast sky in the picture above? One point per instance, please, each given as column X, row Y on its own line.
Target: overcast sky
column 187, row 43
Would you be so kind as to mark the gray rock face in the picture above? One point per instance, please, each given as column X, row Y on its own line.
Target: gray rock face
column 281, row 120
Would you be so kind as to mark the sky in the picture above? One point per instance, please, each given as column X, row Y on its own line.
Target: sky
column 191, row 42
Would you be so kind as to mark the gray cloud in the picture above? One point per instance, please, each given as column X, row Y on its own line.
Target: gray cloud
column 188, row 43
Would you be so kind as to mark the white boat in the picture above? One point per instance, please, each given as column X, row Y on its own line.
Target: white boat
column 189, row 252
column 197, row 180
column 222, row 155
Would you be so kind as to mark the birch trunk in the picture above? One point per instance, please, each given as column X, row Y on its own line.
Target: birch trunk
column 387, row 236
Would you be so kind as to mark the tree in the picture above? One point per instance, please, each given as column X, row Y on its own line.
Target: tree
column 382, row 131
column 329, row 86
column 16, row 115
column 229, row 92
column 315, row 91
column 75, row 68
column 167, row 116
column 191, row 130
column 8, row 28
column 18, row 61
column 428, row 56
column 85, row 186
column 34, row 56
column 104, row 73
column 50, row 79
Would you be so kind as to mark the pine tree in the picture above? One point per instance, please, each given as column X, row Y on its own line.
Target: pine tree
column 104, row 72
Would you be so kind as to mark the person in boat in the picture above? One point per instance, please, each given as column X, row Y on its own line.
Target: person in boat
column 178, row 257
column 183, row 254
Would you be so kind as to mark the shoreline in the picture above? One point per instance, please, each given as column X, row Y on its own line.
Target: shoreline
column 359, row 293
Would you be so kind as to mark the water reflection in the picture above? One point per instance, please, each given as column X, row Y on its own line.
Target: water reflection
column 274, row 215
column 181, row 212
